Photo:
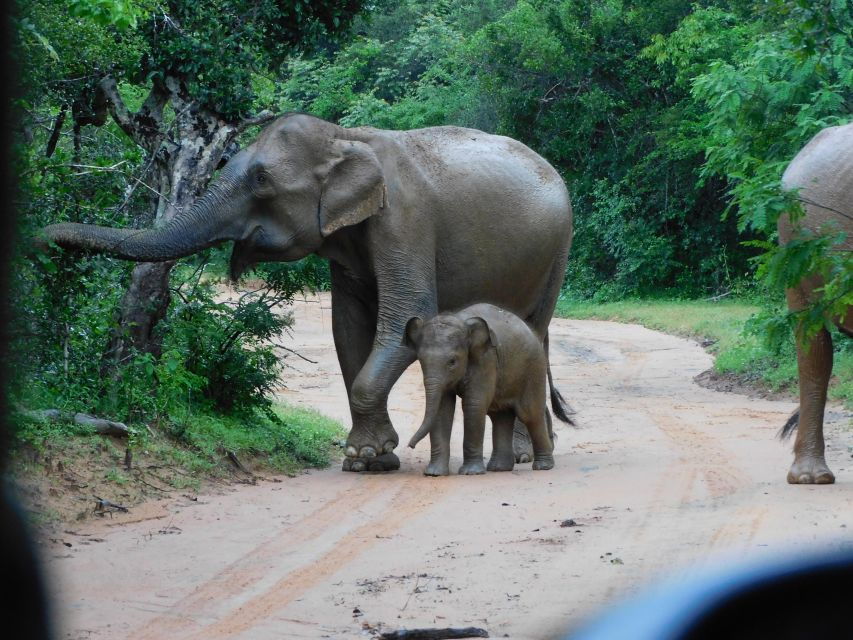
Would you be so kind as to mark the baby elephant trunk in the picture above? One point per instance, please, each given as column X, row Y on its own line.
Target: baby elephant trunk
column 420, row 434
column 433, row 402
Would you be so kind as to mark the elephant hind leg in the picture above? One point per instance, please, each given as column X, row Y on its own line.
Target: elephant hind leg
column 503, row 458
column 522, row 446
column 814, row 363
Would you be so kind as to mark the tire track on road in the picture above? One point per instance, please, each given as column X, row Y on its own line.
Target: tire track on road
column 413, row 496
column 249, row 569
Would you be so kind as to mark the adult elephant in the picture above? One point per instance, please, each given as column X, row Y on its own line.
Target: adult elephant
column 413, row 223
column 822, row 172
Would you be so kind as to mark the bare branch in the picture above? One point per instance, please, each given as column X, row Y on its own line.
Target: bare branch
column 262, row 118
column 118, row 110
column 142, row 127
column 57, row 129
column 96, row 168
column 296, row 353
column 150, row 115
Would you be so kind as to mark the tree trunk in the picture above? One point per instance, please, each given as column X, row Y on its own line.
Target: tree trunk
column 185, row 158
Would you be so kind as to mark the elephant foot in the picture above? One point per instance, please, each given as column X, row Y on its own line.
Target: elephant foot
column 371, row 449
column 437, row 468
column 543, row 462
column 501, row 463
column 384, row 462
column 810, row 471
column 472, row 468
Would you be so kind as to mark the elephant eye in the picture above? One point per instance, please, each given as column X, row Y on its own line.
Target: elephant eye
column 451, row 362
column 260, row 178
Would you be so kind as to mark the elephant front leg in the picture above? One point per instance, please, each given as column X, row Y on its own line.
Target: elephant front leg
column 439, row 438
column 472, row 443
column 372, row 439
column 814, row 363
column 354, row 314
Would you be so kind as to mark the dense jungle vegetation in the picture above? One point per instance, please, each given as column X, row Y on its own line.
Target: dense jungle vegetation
column 671, row 122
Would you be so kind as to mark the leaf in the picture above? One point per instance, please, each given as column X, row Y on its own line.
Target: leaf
column 44, row 41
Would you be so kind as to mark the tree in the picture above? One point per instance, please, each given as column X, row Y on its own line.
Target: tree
column 196, row 65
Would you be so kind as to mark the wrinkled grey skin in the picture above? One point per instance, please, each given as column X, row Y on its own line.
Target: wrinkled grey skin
column 823, row 174
column 493, row 361
column 413, row 223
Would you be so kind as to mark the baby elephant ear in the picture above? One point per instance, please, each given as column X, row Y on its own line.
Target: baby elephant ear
column 353, row 188
column 413, row 333
column 480, row 336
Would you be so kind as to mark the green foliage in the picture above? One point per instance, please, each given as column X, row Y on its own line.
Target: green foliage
column 286, row 438
column 215, row 47
column 219, row 46
column 217, row 357
column 290, row 278
column 59, row 58
column 122, row 14
column 766, row 89
column 224, row 345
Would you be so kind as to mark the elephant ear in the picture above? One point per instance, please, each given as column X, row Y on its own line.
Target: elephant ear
column 480, row 335
column 413, row 333
column 353, row 188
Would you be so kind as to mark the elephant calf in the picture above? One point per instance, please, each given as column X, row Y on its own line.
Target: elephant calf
column 497, row 365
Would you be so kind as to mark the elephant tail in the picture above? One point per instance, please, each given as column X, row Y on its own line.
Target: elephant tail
column 790, row 426
column 562, row 409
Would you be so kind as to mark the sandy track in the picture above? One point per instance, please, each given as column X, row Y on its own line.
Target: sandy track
column 661, row 477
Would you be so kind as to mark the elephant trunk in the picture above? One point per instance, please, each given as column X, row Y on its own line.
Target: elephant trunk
column 206, row 224
column 434, row 391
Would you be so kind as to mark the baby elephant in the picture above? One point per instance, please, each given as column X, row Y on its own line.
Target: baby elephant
column 496, row 364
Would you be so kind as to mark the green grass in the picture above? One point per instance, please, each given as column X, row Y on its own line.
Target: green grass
column 198, row 444
column 737, row 352
column 297, row 438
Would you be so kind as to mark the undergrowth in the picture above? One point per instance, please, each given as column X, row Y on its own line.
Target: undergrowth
column 285, row 439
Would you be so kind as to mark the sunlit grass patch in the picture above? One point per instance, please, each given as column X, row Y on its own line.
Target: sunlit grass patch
column 720, row 327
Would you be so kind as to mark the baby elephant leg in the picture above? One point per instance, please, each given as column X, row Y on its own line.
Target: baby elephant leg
column 472, row 443
column 439, row 438
column 503, row 457
column 543, row 446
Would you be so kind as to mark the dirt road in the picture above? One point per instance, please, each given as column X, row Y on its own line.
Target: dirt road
column 662, row 476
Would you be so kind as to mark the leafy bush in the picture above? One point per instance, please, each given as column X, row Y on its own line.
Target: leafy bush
column 285, row 438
